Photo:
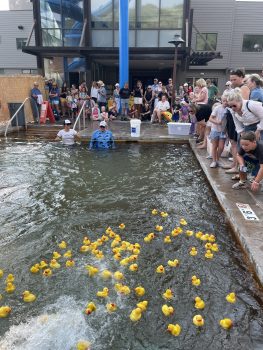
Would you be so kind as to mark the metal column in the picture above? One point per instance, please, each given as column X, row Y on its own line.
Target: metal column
column 123, row 41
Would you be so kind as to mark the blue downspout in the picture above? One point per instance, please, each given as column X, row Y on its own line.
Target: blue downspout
column 123, row 41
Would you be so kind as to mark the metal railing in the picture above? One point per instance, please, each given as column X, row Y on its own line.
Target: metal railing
column 15, row 116
column 78, row 117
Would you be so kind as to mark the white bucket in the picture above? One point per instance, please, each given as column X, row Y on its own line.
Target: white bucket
column 135, row 127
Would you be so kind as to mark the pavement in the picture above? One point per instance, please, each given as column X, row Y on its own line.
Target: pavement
column 249, row 233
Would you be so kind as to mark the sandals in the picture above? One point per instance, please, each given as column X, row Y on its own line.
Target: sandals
column 235, row 177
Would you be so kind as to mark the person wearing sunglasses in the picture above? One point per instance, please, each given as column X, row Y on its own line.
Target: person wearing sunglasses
column 67, row 135
column 102, row 138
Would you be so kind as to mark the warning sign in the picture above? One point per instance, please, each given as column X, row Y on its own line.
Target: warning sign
column 247, row 212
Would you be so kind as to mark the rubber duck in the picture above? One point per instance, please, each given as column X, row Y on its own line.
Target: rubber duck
column 91, row 307
column 62, row 245
column 154, row 212
column 149, row 237
column 136, row 314
column 10, row 278
column 4, row 311
column 208, row 245
column 174, row 329
column 140, row 291
column 84, row 249
column 143, row 305
column 92, row 270
column 193, row 251
column 70, row 263
column 212, row 238
column 133, row 267
column 163, row 214
column 209, row 254
column 136, row 251
column 112, row 234
column 106, row 274
column 231, row 298
column 28, row 297
column 214, row 247
column 167, row 310
column 196, row 281
column 226, row 323
column 160, row 269
column 198, row 321
column 43, row 264
column 111, row 307
column 68, row 254
column 34, row 268
column 104, row 238
column 56, row 255
column 117, row 256
column 10, row 287
column 124, row 262
column 183, row 222
column 167, row 239
column 1, row 273
column 54, row 264
column 83, row 345
column 173, row 263
column 125, row 290
column 47, row 272
column 108, row 230
column 122, row 226
column 99, row 255
column 114, row 243
column 176, row 232
column 86, row 241
column 103, row 293
column 189, row 233
column 199, row 303
column 158, row 228
column 205, row 237
column 168, row 294
column 133, row 257
column 118, row 275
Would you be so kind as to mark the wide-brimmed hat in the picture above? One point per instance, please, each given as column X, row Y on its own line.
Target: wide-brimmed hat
column 100, row 82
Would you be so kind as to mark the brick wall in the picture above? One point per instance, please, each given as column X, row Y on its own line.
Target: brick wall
column 15, row 89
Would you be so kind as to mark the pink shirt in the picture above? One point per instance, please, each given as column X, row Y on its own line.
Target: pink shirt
column 202, row 97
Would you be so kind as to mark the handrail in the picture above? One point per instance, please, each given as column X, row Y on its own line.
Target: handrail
column 78, row 117
column 10, row 121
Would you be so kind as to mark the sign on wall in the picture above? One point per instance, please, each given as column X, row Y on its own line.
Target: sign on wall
column 247, row 212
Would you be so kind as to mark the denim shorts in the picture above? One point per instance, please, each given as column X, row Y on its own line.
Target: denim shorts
column 217, row 135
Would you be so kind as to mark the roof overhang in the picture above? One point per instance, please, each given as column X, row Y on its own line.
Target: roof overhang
column 203, row 57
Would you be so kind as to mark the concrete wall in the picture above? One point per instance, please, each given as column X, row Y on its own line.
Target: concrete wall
column 13, row 60
column 16, row 89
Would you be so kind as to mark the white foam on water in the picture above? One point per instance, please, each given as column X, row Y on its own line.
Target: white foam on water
column 60, row 327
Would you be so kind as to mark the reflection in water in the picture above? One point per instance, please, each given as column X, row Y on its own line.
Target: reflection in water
column 49, row 193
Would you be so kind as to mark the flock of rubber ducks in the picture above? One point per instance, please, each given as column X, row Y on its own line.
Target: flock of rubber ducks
column 126, row 254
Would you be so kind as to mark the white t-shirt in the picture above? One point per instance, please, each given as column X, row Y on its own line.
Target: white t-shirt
column 219, row 114
column 163, row 106
column 68, row 137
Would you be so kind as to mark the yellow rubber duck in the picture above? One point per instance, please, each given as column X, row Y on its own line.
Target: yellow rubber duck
column 118, row 275
column 34, row 268
column 231, row 298
column 68, row 254
column 111, row 307
column 92, row 270
column 167, row 239
column 154, row 212
column 54, row 264
column 160, row 269
column 56, row 255
column 173, row 263
column 133, row 257
column 103, row 293
column 143, row 305
column 136, row 251
column 212, row 238
column 117, row 256
column 209, row 254
column 122, row 226
column 208, row 246
column 136, row 314
column 214, row 247
column 28, row 297
column 164, row 214
column 114, row 243
column 43, row 264
column 47, row 272
column 196, row 281
column 140, row 291
column 168, row 294
column 199, row 303
column 124, row 262
column 86, row 241
column 62, row 245
column 199, row 234
column 174, row 329
column 193, row 251
column 84, row 249
column 70, row 263
column 183, row 222
column 91, row 307
column 1, row 273
column 104, row 238
column 4, row 311
column 158, row 228
column 167, row 310
column 83, row 345
column 125, row 290
column 226, row 323
column 10, row 278
column 205, row 237
column 198, row 321
column 108, row 230
column 133, row 267
column 189, row 233
column 106, row 274
column 149, row 237
column 10, row 287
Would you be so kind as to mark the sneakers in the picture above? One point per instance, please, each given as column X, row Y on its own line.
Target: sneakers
column 213, row 165
column 239, row 185
column 209, row 157
column 232, row 171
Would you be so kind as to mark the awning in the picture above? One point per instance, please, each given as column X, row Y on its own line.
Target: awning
column 202, row 58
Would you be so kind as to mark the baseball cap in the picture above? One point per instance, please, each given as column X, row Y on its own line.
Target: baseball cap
column 103, row 124
column 228, row 83
column 67, row 122
column 185, row 84
column 117, row 84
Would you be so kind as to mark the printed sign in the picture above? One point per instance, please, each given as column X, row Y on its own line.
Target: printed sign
column 247, row 212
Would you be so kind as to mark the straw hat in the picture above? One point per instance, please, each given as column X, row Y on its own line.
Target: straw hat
column 100, row 82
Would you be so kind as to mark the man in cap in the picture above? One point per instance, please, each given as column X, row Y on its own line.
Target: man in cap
column 66, row 135
column 36, row 102
column 102, row 138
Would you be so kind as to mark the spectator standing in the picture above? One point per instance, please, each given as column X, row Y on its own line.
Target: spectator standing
column 125, row 94
column 37, row 100
column 212, row 91
column 169, row 89
column 63, row 99
column 228, row 87
column 149, row 97
column 155, row 89
column 255, row 83
column 236, row 77
column 116, row 97
column 102, row 95
column 138, row 96
column 94, row 91
column 54, row 99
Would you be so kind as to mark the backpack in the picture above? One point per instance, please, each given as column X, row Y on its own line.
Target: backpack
column 249, row 108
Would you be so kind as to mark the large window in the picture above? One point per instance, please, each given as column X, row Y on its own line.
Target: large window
column 20, row 43
column 171, row 14
column 20, row 5
column 148, row 14
column 252, row 43
column 206, row 42
column 101, row 14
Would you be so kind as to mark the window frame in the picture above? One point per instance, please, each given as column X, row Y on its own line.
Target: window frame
column 19, row 42
column 205, row 34
column 254, row 51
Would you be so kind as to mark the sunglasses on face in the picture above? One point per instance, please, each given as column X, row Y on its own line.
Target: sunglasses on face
column 233, row 106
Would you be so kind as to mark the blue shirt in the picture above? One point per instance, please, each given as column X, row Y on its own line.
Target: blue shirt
column 54, row 91
column 35, row 91
column 256, row 94
column 102, row 140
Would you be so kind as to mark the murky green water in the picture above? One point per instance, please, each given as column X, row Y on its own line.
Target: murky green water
column 49, row 193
